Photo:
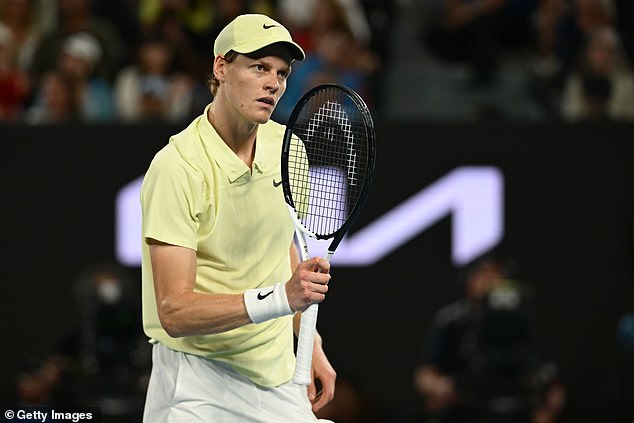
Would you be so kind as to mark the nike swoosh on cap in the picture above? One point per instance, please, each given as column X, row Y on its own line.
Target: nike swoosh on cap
column 265, row 26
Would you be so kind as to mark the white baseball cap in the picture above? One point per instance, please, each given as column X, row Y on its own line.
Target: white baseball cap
column 252, row 32
column 83, row 46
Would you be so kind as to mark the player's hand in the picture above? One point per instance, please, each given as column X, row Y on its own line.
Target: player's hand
column 325, row 374
column 308, row 284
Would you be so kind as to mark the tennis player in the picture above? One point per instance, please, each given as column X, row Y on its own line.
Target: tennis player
column 222, row 282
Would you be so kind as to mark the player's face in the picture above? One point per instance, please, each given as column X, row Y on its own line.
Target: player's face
column 254, row 86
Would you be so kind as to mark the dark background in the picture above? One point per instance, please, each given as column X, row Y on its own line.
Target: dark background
column 569, row 209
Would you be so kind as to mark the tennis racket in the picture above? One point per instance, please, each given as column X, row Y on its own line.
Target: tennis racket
column 327, row 165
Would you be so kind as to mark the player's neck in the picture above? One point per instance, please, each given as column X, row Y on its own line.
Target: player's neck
column 237, row 134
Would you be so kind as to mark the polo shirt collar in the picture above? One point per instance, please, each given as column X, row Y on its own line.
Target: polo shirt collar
column 226, row 159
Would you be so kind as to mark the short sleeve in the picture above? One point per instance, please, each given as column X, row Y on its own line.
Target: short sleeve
column 171, row 200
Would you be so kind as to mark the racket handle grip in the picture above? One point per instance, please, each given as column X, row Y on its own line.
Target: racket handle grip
column 305, row 343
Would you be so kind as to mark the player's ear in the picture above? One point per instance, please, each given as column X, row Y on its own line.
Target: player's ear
column 220, row 66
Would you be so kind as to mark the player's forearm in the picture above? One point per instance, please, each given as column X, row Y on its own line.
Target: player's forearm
column 182, row 310
column 193, row 313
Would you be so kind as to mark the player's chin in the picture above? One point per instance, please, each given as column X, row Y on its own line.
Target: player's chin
column 263, row 115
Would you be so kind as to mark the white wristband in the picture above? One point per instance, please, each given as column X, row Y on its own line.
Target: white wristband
column 267, row 303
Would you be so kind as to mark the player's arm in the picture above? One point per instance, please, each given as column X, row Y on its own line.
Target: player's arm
column 185, row 312
column 181, row 310
column 322, row 369
column 325, row 373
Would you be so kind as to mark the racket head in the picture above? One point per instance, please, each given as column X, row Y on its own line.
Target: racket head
column 328, row 158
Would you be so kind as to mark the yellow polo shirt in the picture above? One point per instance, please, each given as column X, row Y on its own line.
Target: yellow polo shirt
column 198, row 194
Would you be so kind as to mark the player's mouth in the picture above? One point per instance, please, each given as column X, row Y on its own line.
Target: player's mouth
column 267, row 100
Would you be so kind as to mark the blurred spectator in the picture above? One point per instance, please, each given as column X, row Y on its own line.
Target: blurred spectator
column 90, row 97
column 381, row 15
column 337, row 57
column 591, row 15
column 478, row 32
column 79, row 60
column 111, row 351
column 149, row 90
column 325, row 16
column 550, row 399
column 187, row 27
column 14, row 84
column 480, row 363
column 76, row 16
column 225, row 11
column 548, row 67
column 55, row 101
column 104, row 361
column 561, row 30
column 307, row 19
column 602, row 86
column 37, row 385
column 123, row 15
column 366, row 25
column 23, row 19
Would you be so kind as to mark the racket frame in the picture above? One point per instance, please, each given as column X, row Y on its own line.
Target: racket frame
column 308, row 323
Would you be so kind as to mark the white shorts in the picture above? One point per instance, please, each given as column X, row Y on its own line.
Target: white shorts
column 188, row 388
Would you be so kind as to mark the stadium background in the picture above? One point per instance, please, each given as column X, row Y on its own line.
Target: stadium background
column 569, row 210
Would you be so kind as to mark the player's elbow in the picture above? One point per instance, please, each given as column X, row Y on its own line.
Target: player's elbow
column 170, row 321
column 172, row 329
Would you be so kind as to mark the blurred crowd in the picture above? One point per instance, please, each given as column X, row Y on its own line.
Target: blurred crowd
column 574, row 56
column 141, row 60
column 584, row 55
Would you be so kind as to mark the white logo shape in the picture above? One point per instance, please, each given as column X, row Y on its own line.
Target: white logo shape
column 474, row 196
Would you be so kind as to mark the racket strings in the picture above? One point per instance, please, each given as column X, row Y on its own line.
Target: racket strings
column 328, row 159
